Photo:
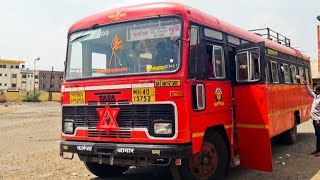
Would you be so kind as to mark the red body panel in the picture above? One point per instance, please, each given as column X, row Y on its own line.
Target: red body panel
column 283, row 101
column 252, row 126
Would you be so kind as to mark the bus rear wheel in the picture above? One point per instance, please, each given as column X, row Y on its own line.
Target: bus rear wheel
column 104, row 170
column 291, row 135
column 210, row 163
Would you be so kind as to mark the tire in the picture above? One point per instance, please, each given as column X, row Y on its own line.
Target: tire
column 290, row 136
column 210, row 163
column 104, row 170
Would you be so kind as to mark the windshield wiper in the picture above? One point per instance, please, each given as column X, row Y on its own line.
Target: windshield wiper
column 83, row 34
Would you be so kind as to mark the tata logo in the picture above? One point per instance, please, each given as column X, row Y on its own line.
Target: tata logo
column 107, row 98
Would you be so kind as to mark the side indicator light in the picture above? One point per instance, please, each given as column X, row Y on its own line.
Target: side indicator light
column 176, row 93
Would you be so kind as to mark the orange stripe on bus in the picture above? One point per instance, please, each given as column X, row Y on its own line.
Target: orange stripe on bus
column 253, row 126
column 228, row 126
column 288, row 110
column 198, row 134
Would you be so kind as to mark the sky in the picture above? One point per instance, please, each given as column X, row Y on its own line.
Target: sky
column 37, row 28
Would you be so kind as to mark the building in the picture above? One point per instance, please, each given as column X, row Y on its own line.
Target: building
column 10, row 76
column 50, row 80
column 315, row 72
column 29, row 80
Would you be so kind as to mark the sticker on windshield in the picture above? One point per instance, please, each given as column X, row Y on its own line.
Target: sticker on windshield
column 112, row 70
column 150, row 68
column 115, row 46
column 154, row 31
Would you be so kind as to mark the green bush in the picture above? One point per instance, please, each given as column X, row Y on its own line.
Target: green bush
column 32, row 97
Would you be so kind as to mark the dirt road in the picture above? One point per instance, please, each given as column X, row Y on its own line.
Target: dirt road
column 29, row 135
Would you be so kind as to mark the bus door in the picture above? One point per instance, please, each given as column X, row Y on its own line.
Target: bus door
column 251, row 119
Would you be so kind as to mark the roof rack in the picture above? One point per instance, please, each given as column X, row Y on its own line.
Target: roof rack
column 272, row 35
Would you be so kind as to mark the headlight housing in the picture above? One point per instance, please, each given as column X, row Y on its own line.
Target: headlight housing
column 68, row 126
column 162, row 128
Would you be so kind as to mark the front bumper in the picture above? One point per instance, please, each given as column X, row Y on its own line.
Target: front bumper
column 126, row 150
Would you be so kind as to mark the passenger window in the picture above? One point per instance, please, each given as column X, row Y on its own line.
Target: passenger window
column 293, row 74
column 307, row 76
column 274, row 72
column 255, row 66
column 216, row 64
column 301, row 74
column 248, row 66
column 286, row 73
column 267, row 74
column 242, row 66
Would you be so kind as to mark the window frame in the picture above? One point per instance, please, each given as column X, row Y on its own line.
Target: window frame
column 250, row 72
column 278, row 78
column 288, row 73
column 301, row 68
column 307, row 74
column 294, row 79
column 213, row 61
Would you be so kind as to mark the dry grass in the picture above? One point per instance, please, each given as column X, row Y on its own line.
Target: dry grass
column 19, row 96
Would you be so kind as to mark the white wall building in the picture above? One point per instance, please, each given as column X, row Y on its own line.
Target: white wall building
column 10, row 75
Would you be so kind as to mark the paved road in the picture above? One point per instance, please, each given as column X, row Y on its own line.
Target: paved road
column 29, row 135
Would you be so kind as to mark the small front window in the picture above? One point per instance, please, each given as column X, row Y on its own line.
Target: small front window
column 216, row 64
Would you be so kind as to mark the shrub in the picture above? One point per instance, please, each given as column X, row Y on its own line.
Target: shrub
column 32, row 97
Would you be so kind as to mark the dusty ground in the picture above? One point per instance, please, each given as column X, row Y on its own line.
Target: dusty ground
column 29, row 135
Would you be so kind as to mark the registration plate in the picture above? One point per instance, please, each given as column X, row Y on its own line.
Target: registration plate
column 77, row 97
column 143, row 94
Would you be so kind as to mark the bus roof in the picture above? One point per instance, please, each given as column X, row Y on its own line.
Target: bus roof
column 171, row 8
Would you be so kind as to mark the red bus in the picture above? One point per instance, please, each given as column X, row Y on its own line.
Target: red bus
column 164, row 84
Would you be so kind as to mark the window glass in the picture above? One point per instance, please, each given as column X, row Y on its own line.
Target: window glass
column 233, row 40
column 267, row 74
column 216, row 64
column 244, row 42
column 193, row 52
column 255, row 66
column 307, row 76
column 138, row 47
column 274, row 71
column 293, row 74
column 242, row 66
column 194, row 36
column 286, row 73
column 213, row 34
column 301, row 74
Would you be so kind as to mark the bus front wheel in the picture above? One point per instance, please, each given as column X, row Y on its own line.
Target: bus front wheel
column 209, row 163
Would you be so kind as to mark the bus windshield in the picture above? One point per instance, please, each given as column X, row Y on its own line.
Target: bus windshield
column 140, row 47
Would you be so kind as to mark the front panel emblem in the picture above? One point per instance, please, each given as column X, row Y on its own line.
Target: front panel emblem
column 107, row 118
column 218, row 97
column 117, row 15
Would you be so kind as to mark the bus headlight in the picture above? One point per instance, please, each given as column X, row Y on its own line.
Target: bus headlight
column 68, row 126
column 162, row 128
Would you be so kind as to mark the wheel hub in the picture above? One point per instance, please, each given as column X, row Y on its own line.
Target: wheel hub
column 204, row 163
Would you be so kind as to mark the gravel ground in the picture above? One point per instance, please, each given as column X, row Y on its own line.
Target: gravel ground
column 30, row 132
